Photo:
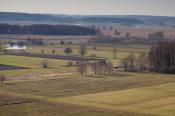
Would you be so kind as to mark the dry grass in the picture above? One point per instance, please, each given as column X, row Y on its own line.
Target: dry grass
column 141, row 31
column 151, row 100
column 62, row 87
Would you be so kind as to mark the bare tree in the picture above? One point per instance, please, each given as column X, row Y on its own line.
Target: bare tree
column 82, row 68
column 53, row 51
column 68, row 51
column 82, row 50
column 2, row 79
column 157, row 35
column 114, row 52
column 42, row 51
column 162, row 57
column 129, row 62
column 109, row 67
column 94, row 67
column 142, row 61
column 102, row 67
column 125, row 64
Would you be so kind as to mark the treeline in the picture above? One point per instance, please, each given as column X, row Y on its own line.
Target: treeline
column 44, row 29
column 161, row 58
column 112, row 20
column 126, row 40
column 157, row 35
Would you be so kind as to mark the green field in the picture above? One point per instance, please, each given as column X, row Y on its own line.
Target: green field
column 158, row 100
column 29, row 61
column 119, row 94
column 55, row 66
column 102, row 51
column 59, row 109
column 68, row 94
column 76, row 86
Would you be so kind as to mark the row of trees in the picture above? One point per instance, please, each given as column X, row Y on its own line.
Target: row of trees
column 131, row 63
column 100, row 67
column 83, row 50
column 69, row 50
column 161, row 58
column 157, row 35
column 45, row 29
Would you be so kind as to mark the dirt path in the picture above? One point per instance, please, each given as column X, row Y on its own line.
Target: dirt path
column 39, row 77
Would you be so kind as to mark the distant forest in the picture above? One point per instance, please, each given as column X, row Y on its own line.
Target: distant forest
column 127, row 20
column 45, row 29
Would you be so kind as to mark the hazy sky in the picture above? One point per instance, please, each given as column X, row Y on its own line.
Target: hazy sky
column 86, row 7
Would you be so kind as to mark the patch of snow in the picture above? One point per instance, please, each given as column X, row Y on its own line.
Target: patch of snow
column 16, row 47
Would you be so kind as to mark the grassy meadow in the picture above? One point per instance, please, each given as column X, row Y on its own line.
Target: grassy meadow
column 101, row 51
column 59, row 90
column 56, row 66
column 34, row 65
column 122, row 94
column 158, row 100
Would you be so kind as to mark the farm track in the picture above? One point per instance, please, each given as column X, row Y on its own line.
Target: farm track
column 60, row 57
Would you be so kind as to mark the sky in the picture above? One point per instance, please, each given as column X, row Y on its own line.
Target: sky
column 91, row 7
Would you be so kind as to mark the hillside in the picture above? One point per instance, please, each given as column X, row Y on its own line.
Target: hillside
column 128, row 20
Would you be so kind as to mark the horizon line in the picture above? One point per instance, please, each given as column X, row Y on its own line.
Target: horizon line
column 87, row 14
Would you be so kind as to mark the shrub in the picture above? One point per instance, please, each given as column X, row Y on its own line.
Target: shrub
column 70, row 63
column 62, row 42
column 45, row 63
column 53, row 51
column 2, row 79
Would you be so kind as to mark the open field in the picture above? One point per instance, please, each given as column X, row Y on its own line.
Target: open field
column 118, row 59
column 118, row 89
column 34, row 65
column 7, row 99
column 59, row 90
column 102, row 51
column 142, row 32
column 77, row 86
column 55, row 39
column 44, row 108
column 159, row 100
column 28, row 61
